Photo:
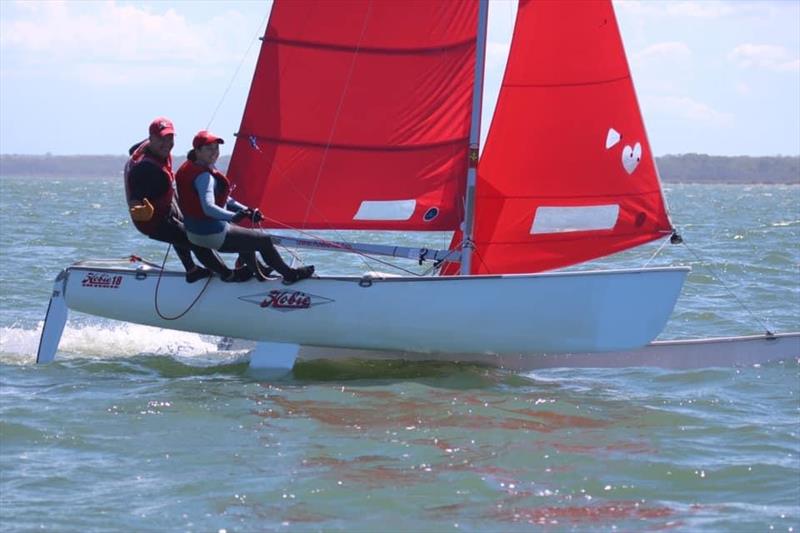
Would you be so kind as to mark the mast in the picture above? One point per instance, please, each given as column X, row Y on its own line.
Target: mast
column 474, row 137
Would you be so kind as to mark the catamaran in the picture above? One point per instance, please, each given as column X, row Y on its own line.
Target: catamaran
column 365, row 115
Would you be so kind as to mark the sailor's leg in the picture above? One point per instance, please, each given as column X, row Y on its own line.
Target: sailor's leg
column 185, row 256
column 175, row 235
column 212, row 261
column 239, row 239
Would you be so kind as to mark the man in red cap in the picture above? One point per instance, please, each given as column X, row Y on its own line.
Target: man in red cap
column 150, row 191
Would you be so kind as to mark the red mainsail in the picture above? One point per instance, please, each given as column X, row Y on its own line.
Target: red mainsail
column 358, row 115
column 567, row 174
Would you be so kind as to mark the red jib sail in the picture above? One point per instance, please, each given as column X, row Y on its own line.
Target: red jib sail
column 358, row 115
column 567, row 174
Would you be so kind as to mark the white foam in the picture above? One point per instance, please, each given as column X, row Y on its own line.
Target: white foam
column 786, row 223
column 19, row 344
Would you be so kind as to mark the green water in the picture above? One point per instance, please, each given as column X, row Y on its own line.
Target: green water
column 140, row 429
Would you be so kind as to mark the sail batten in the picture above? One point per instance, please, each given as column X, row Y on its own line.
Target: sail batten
column 439, row 48
column 570, row 84
column 584, row 196
column 359, row 147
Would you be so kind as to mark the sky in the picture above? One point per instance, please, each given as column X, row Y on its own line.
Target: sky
column 86, row 77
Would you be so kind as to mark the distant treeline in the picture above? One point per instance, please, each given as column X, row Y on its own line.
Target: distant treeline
column 701, row 168
column 684, row 168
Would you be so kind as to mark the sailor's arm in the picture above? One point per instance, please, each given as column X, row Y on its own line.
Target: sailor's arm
column 204, row 185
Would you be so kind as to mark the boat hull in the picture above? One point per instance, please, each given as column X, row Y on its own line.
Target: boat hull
column 596, row 311
column 673, row 354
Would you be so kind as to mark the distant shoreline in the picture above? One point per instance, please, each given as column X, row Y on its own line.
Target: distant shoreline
column 683, row 168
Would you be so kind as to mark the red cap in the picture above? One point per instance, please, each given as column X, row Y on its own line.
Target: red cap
column 162, row 127
column 205, row 137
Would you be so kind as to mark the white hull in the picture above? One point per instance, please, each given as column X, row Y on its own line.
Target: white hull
column 544, row 313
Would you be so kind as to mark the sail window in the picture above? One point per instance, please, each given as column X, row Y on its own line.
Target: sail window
column 612, row 138
column 386, row 210
column 549, row 219
column 430, row 214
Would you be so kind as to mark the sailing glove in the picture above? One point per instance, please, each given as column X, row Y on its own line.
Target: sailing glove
column 256, row 215
column 142, row 212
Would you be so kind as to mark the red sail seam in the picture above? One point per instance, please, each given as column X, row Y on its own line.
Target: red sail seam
column 411, row 148
column 576, row 84
column 428, row 50
column 583, row 196
column 616, row 235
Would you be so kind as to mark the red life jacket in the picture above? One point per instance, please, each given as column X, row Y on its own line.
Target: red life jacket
column 189, row 199
column 162, row 205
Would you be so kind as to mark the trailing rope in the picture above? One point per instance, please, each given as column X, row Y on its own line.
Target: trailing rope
column 158, row 284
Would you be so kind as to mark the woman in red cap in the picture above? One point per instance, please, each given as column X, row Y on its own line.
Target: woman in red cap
column 208, row 210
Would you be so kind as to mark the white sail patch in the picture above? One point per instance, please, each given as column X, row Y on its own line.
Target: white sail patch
column 631, row 157
column 552, row 219
column 386, row 210
column 612, row 138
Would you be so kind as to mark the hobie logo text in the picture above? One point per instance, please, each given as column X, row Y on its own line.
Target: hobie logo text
column 103, row 281
column 287, row 300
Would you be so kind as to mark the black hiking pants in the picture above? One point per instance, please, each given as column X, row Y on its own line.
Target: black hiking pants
column 246, row 240
column 173, row 232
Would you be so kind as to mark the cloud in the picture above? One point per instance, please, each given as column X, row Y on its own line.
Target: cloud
column 705, row 9
column 108, row 74
column 663, row 67
column 699, row 9
column 743, row 88
column 687, row 109
column 764, row 56
column 93, row 37
column 664, row 51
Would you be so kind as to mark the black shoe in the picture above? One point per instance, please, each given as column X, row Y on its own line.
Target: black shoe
column 242, row 274
column 266, row 270
column 238, row 275
column 297, row 274
column 257, row 273
column 196, row 274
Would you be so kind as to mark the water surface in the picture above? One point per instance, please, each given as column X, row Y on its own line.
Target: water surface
column 135, row 428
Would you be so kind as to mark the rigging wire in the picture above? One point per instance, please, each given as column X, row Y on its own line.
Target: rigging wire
column 310, row 200
column 658, row 251
column 236, row 72
column 333, row 244
column 365, row 258
column 716, row 276
column 338, row 111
